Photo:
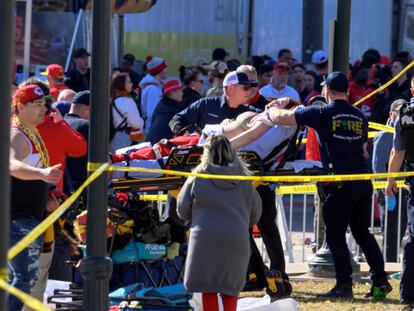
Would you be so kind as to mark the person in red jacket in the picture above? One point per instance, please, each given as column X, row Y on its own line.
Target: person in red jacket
column 61, row 140
column 55, row 77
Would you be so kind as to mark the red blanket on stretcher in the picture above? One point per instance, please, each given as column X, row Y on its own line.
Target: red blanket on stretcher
column 162, row 148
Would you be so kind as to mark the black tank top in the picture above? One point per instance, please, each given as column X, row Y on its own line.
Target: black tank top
column 28, row 198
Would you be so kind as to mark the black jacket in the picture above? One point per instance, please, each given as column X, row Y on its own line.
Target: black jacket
column 76, row 168
column 382, row 106
column 190, row 96
column 77, row 82
column 163, row 113
column 208, row 110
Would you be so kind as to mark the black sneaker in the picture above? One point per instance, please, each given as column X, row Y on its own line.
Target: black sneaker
column 379, row 289
column 288, row 287
column 340, row 291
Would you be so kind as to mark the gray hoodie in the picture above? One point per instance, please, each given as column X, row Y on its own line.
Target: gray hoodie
column 221, row 212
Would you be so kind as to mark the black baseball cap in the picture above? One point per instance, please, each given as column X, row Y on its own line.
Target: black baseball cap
column 80, row 53
column 238, row 78
column 82, row 98
column 336, row 81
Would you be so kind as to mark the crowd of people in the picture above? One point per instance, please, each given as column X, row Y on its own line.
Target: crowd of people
column 256, row 106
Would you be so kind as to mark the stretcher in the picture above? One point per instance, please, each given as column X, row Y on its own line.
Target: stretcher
column 185, row 158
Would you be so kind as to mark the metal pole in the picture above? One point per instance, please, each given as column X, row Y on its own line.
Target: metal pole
column 304, row 227
column 6, row 52
column 332, row 27
column 399, row 206
column 121, row 21
column 96, row 267
column 250, row 28
column 312, row 28
column 27, row 39
column 72, row 43
column 342, row 34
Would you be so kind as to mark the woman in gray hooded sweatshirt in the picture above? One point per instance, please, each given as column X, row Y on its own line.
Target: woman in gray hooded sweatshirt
column 221, row 213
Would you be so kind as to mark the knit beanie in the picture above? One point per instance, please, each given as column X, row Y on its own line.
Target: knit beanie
column 155, row 65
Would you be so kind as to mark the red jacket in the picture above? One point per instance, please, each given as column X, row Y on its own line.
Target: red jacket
column 61, row 141
column 356, row 92
column 55, row 91
column 312, row 146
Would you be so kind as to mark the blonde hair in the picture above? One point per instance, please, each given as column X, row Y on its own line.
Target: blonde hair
column 218, row 151
column 247, row 69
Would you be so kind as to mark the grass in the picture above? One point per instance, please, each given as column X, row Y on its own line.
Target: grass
column 305, row 293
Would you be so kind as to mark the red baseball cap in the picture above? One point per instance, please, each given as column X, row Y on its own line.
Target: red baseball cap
column 171, row 85
column 281, row 67
column 54, row 71
column 28, row 93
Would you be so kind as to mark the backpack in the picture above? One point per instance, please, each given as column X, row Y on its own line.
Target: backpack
column 137, row 96
column 122, row 126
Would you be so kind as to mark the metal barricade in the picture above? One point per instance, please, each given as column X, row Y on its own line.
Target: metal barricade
column 293, row 224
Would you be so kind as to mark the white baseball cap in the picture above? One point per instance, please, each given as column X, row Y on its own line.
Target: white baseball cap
column 319, row 57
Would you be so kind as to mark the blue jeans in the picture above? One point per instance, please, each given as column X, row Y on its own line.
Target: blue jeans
column 24, row 268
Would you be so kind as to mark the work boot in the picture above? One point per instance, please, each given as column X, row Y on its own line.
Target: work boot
column 340, row 291
column 379, row 289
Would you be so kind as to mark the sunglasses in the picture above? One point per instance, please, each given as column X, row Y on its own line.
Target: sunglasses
column 245, row 87
column 200, row 81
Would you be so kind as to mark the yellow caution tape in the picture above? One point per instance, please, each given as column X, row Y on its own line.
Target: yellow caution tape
column 297, row 189
column 372, row 134
column 381, row 127
column 383, row 87
column 45, row 224
column 25, row 298
column 309, row 189
column 4, row 272
column 383, row 184
column 93, row 166
column 286, row 178
column 153, row 197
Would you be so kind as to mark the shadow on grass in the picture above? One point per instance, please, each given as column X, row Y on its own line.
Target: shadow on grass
column 315, row 299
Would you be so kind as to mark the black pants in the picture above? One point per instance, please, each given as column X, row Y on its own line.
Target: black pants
column 350, row 205
column 407, row 279
column 256, row 265
column 269, row 231
column 391, row 232
column 59, row 269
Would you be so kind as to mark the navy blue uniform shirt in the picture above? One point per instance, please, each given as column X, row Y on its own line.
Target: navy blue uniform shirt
column 77, row 167
column 343, row 130
column 208, row 110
